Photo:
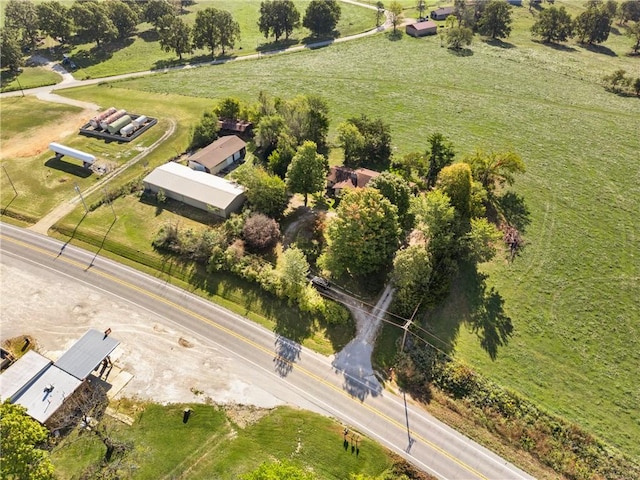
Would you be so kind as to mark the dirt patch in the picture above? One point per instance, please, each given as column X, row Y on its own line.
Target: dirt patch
column 183, row 342
column 34, row 141
column 244, row 415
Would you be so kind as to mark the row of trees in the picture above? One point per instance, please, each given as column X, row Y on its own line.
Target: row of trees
column 281, row 17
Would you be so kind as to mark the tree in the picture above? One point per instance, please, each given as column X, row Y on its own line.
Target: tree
column 455, row 181
column 10, row 51
column 321, row 17
column 458, row 37
column 55, row 20
column 410, row 277
column 177, row 38
column 553, row 25
column 307, row 172
column 629, row 10
column 494, row 168
column 20, row 437
column 412, row 167
column 260, row 232
column 316, row 122
column 215, row 28
column 93, row 22
column 593, row 25
column 205, row 132
column 268, row 132
column 482, row 240
column 439, row 155
column 634, row 32
column 278, row 17
column 496, row 20
column 371, row 148
column 294, row 270
column 363, row 236
column 617, row 81
column 228, row 108
column 284, row 470
column 265, row 193
column 124, row 18
column 22, row 15
column 395, row 14
column 379, row 12
column 352, row 142
column 435, row 217
column 397, row 191
column 280, row 159
column 156, row 10
column 636, row 86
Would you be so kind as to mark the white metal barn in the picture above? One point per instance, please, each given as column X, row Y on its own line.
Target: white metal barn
column 198, row 189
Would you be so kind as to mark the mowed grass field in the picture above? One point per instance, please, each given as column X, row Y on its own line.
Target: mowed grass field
column 216, row 445
column 572, row 294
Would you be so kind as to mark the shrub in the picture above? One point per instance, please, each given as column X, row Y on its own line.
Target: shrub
column 260, row 232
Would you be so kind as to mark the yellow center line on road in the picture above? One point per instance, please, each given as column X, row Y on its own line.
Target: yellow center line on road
column 248, row 341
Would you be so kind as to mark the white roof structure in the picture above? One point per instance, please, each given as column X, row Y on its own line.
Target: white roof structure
column 200, row 186
column 87, row 353
column 47, row 393
column 22, row 373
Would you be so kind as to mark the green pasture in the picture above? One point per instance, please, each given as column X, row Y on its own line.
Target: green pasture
column 30, row 77
column 571, row 293
column 214, row 445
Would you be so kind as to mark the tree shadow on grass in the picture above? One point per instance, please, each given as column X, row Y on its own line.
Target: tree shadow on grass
column 601, row 49
column 394, row 35
column 149, row 35
column 496, row 42
column 87, row 58
column 8, row 76
column 461, row 52
column 561, row 47
column 514, row 210
column 66, row 167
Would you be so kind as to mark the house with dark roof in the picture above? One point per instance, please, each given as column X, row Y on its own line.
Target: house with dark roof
column 441, row 13
column 341, row 178
column 421, row 29
column 219, row 155
column 235, row 126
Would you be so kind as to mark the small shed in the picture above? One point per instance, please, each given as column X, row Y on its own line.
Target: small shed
column 220, row 154
column 198, row 189
column 441, row 13
column 421, row 29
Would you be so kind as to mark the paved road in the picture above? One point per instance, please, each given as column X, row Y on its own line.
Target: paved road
column 299, row 376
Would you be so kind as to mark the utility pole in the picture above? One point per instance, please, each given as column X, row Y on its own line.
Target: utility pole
column 77, row 189
column 10, row 181
column 404, row 394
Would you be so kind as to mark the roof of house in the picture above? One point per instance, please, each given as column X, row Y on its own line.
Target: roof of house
column 22, row 373
column 87, row 353
column 424, row 25
column 214, row 154
column 47, row 392
column 365, row 175
column 443, row 11
column 200, row 186
column 344, row 177
column 235, row 125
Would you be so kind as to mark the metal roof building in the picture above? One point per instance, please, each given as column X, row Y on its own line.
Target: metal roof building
column 85, row 355
column 22, row 373
column 220, row 154
column 198, row 189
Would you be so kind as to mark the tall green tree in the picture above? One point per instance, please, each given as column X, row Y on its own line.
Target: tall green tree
column 458, row 37
column 307, row 172
column 410, row 276
column 22, row 15
column 629, row 11
column 156, row 10
column 495, row 21
column 370, row 149
column 554, row 24
column 20, row 439
column 10, row 51
column 124, row 18
column 93, row 22
column 267, row 133
column 176, row 37
column 634, row 33
column 363, row 236
column 266, row 193
column 482, row 240
column 293, row 268
column 352, row 142
column 395, row 14
column 205, row 132
column 439, row 155
column 593, row 25
column 455, row 181
column 55, row 20
column 321, row 17
column 395, row 189
column 278, row 17
column 215, row 28
column 435, row 217
column 494, row 169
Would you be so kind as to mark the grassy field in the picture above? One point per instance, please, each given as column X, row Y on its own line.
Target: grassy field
column 214, row 445
column 31, row 77
column 572, row 295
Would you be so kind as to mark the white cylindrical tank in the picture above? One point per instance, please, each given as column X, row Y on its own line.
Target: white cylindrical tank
column 72, row 152
column 127, row 130
column 95, row 121
column 104, row 124
column 138, row 122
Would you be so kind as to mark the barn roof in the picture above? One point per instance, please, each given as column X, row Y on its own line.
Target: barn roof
column 424, row 25
column 22, row 373
column 214, row 154
column 200, row 186
column 87, row 353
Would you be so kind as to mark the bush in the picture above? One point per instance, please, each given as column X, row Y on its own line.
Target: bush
column 260, row 232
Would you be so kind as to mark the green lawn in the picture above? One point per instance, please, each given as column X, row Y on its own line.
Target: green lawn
column 30, row 77
column 572, row 295
column 213, row 445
